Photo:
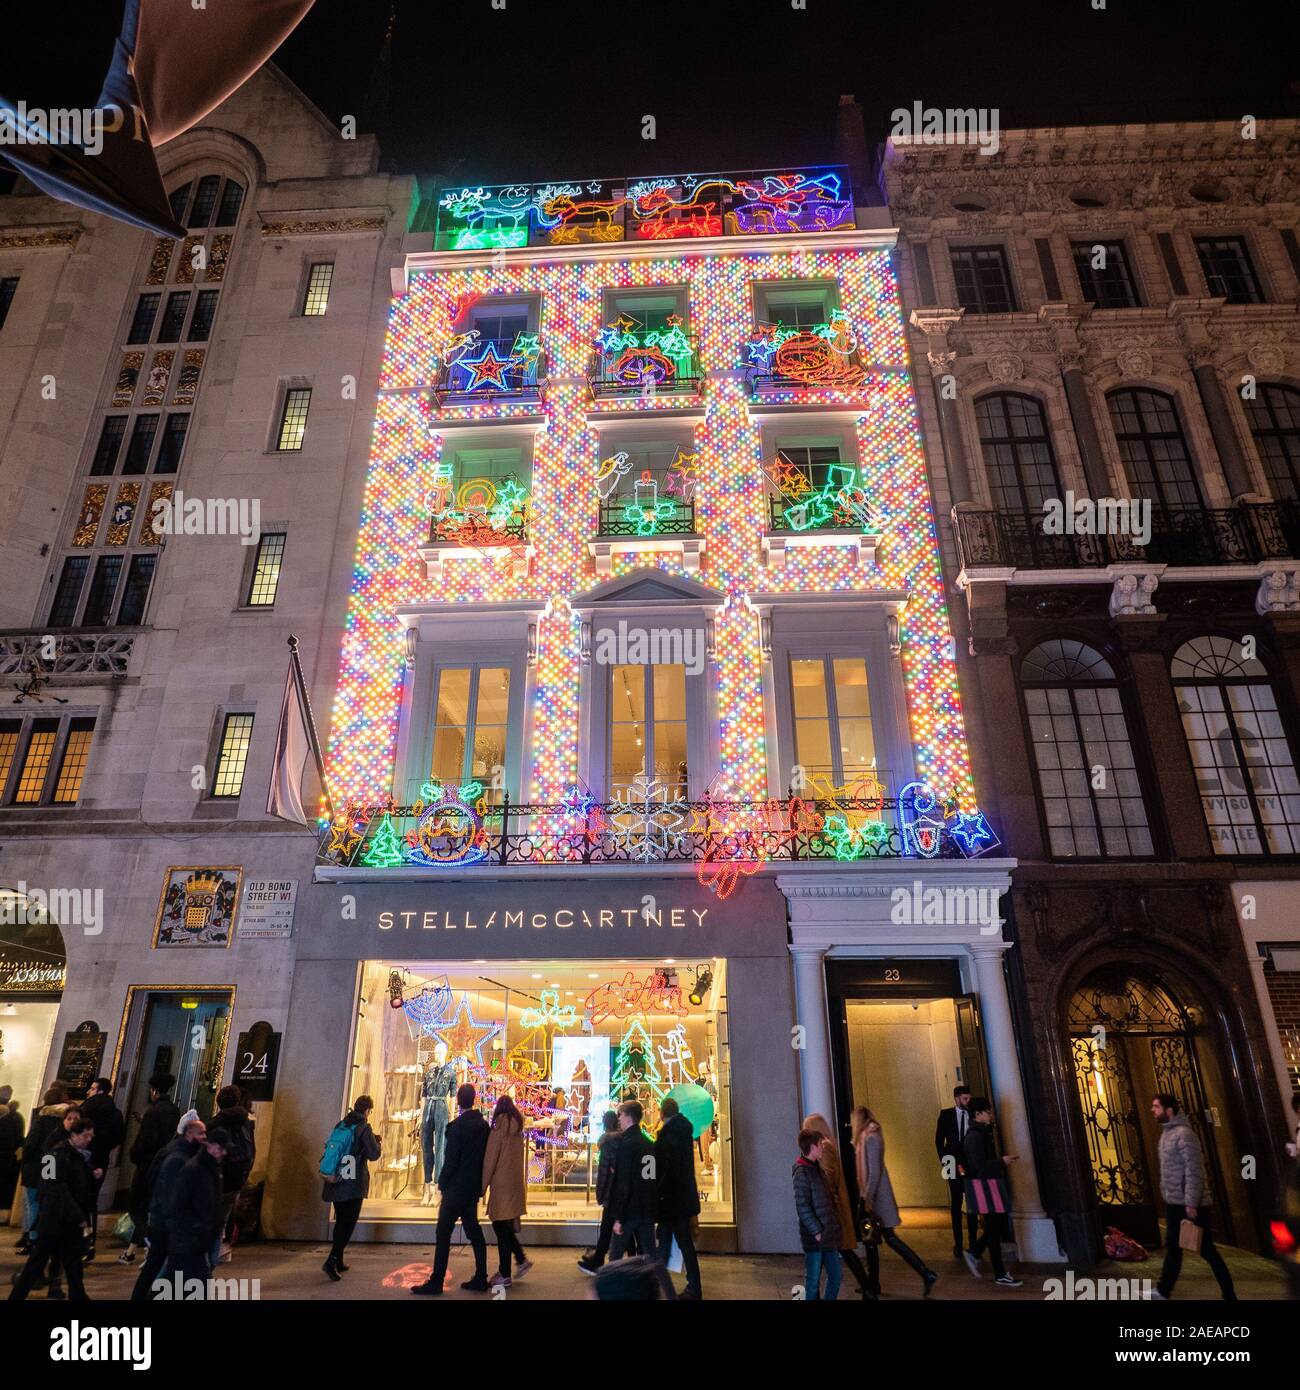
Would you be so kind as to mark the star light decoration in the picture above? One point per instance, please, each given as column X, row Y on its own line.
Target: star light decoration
column 408, row 443
column 465, row 1036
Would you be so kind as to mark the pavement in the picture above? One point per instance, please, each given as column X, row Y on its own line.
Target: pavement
column 292, row 1270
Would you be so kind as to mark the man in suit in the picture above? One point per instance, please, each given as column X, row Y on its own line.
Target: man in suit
column 948, row 1136
column 461, row 1185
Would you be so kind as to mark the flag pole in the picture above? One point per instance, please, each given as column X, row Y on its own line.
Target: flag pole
column 295, row 665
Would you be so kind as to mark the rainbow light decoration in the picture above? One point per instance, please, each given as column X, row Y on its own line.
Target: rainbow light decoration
column 730, row 496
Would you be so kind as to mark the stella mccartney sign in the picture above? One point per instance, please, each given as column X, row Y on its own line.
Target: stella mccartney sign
column 558, row 919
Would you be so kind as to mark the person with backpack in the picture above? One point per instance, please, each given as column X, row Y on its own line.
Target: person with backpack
column 67, row 1213
column 345, row 1173
column 110, row 1129
column 461, row 1184
column 159, row 1185
column 606, row 1148
column 158, row 1125
column 241, row 1153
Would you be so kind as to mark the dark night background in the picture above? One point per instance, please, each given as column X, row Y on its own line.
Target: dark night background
column 557, row 88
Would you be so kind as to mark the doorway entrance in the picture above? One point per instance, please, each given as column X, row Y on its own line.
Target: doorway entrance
column 181, row 1032
column 1133, row 1036
column 906, row 1035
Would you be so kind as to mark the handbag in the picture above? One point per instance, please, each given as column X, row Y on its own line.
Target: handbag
column 124, row 1228
column 675, row 1262
column 987, row 1196
column 872, row 1229
column 1189, row 1236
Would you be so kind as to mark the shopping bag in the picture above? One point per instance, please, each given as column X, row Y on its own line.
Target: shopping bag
column 675, row 1262
column 986, row 1195
column 1189, row 1236
column 124, row 1228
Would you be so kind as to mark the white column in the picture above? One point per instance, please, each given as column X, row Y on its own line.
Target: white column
column 1035, row 1232
column 810, row 1014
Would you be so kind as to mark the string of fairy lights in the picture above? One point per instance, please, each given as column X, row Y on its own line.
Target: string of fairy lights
column 730, row 499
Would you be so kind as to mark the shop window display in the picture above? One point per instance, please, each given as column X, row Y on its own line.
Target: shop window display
column 567, row 1041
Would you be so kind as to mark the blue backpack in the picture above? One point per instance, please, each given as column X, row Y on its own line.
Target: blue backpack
column 337, row 1148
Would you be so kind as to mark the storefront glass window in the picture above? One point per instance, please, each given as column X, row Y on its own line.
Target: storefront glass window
column 567, row 1042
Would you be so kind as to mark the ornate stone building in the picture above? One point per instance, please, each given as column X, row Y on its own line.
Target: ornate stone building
column 1110, row 318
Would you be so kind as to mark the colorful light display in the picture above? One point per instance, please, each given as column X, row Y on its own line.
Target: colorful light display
column 730, row 497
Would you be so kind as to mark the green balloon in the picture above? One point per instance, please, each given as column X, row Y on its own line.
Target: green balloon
column 695, row 1103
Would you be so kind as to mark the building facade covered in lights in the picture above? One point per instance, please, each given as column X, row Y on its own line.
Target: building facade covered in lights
column 648, row 769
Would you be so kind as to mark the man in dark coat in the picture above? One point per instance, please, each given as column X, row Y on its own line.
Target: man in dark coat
column 949, row 1136
column 195, row 1213
column 110, row 1128
column 679, row 1195
column 608, row 1146
column 67, row 1212
column 461, row 1185
column 232, row 1116
column 12, row 1130
column 160, row 1184
column 633, row 1188
column 157, row 1128
column 46, row 1123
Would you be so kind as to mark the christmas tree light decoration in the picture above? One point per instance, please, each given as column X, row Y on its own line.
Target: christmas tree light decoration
column 465, row 1036
column 635, row 1068
column 730, row 497
column 384, row 850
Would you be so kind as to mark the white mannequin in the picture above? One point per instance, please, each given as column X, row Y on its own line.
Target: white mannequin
column 430, row 1193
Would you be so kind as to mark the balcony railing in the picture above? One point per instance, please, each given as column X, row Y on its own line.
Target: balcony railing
column 625, row 516
column 785, row 515
column 452, row 834
column 489, row 369
column 638, row 372
column 477, row 529
column 1245, row 534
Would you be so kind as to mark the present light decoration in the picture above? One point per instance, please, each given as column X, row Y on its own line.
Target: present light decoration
column 730, row 496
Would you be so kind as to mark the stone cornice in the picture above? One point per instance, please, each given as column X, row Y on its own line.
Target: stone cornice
column 55, row 236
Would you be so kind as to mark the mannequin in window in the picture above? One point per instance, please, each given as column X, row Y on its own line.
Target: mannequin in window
column 438, row 1084
column 705, row 1079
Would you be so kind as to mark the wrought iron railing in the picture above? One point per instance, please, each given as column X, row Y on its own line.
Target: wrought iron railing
column 783, row 514
column 477, row 529
column 490, row 369
column 452, row 834
column 1247, row 533
column 638, row 372
column 625, row 516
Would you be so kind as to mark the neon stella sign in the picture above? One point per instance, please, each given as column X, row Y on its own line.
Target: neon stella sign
column 561, row 919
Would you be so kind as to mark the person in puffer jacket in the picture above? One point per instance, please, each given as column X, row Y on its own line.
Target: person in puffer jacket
column 819, row 1222
column 1186, row 1196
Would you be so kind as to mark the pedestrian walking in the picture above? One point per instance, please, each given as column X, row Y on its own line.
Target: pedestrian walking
column 833, row 1171
column 158, row 1126
column 67, row 1213
column 634, row 1188
column 45, row 1123
column 1186, row 1196
column 605, row 1149
column 819, row 1222
column 461, row 1185
column 233, row 1117
column 949, row 1135
column 51, row 1136
column 195, row 1214
column 987, row 1192
column 679, row 1194
column 347, row 1182
column 110, row 1129
column 158, row 1189
column 877, row 1194
column 12, row 1132
column 505, row 1189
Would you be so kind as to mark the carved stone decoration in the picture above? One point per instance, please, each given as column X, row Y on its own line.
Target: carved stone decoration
column 1130, row 595
column 1006, row 366
column 1279, row 592
column 940, row 362
column 1135, row 361
column 1267, row 359
column 327, row 227
column 39, row 238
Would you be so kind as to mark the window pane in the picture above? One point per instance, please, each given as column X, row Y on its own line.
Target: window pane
column 205, row 310
column 179, row 197
column 99, row 605
column 204, row 201
column 110, row 441
column 76, row 754
column 174, row 316
column 173, row 444
column 7, row 287
column 232, row 196
column 9, row 731
column 293, row 423
column 266, row 571
column 670, row 727
column 36, row 762
column 136, row 594
column 493, row 695
column 64, row 611
column 808, row 681
column 138, row 450
column 628, row 732
column 146, row 308
column 317, row 298
column 235, row 738
column 669, row 692
column 851, row 688
column 451, row 720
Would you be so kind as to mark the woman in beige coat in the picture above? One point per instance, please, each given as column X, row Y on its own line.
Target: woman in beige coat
column 833, row 1172
column 504, row 1187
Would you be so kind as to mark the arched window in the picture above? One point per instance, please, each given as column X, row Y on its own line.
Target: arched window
column 1087, row 780
column 1274, row 417
column 1017, row 454
column 1243, row 762
column 1151, row 443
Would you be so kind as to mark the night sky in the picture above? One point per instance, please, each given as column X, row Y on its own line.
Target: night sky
column 558, row 88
